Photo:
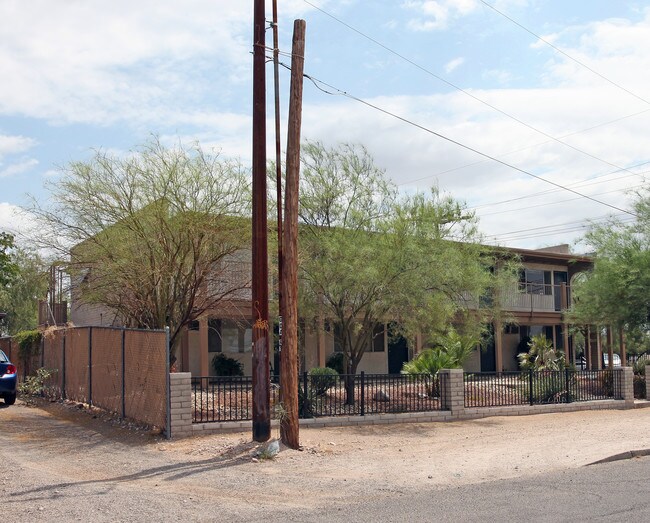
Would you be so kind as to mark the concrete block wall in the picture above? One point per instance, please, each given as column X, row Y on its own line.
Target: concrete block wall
column 180, row 396
column 453, row 397
column 627, row 384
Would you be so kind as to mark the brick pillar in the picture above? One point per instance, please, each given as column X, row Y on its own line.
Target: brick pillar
column 452, row 390
column 647, row 382
column 181, row 404
column 626, row 379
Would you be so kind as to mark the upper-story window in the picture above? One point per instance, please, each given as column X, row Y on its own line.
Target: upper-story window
column 535, row 281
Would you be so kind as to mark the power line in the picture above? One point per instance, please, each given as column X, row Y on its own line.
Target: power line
column 458, row 88
column 583, row 183
column 619, row 86
column 340, row 92
column 531, row 147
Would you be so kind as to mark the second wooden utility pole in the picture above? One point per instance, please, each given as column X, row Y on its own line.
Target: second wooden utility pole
column 260, row 266
column 289, row 426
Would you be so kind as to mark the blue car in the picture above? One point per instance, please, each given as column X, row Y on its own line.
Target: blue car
column 8, row 379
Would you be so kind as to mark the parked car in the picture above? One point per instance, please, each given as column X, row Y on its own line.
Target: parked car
column 617, row 360
column 8, row 379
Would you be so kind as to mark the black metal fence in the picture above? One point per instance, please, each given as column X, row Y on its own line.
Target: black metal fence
column 218, row 399
column 540, row 387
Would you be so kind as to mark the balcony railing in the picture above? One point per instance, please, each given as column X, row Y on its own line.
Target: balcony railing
column 524, row 297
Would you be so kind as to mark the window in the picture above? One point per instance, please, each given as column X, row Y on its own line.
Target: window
column 377, row 341
column 511, row 328
column 229, row 336
column 535, row 281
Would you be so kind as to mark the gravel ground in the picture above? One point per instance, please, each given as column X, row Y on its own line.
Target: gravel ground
column 59, row 462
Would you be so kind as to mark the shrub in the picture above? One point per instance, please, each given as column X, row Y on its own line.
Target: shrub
column 606, row 383
column 225, row 366
column 336, row 361
column 34, row 385
column 639, row 387
column 305, row 407
column 29, row 345
column 541, row 355
column 322, row 379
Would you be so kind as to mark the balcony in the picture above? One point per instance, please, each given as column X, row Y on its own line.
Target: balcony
column 525, row 297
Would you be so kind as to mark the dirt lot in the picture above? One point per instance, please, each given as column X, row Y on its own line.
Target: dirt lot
column 67, row 463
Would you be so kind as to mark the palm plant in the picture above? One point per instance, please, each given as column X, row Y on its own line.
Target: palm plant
column 541, row 355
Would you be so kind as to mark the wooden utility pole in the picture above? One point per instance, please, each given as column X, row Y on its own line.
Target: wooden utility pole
column 289, row 428
column 278, row 159
column 260, row 269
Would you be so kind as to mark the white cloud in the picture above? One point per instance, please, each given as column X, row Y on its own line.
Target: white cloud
column 19, row 167
column 16, row 221
column 14, row 145
column 454, row 64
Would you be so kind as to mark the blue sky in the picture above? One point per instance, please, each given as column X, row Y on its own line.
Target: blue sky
column 79, row 75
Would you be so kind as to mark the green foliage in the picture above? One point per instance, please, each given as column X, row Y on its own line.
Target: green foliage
column 617, row 290
column 541, row 356
column 29, row 344
column 35, row 385
column 306, row 408
column 369, row 254
column 639, row 367
column 8, row 268
column 640, row 391
column 153, row 235
column 19, row 298
column 322, row 379
column 450, row 352
column 226, row 366
column 336, row 361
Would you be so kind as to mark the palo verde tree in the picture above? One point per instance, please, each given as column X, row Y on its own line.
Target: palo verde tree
column 617, row 290
column 370, row 256
column 154, row 236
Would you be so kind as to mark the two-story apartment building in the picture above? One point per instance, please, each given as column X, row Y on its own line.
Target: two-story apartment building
column 536, row 304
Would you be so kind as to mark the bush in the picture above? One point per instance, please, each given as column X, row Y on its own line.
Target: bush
column 639, row 387
column 305, row 408
column 225, row 366
column 336, row 361
column 34, row 385
column 606, row 383
column 322, row 379
column 29, row 345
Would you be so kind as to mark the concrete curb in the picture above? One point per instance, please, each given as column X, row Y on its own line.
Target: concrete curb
column 624, row 455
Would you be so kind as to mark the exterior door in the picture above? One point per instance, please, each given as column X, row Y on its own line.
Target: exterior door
column 488, row 354
column 398, row 353
column 559, row 278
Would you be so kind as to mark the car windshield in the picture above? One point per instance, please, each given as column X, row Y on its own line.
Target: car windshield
column 3, row 357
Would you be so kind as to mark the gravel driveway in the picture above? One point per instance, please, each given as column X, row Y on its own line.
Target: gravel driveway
column 63, row 463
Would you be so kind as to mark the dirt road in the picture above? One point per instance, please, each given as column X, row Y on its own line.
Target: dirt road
column 61, row 463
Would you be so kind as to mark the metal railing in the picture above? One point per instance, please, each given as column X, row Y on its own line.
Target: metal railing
column 540, row 387
column 221, row 399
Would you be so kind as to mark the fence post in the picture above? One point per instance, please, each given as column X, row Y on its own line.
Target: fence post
column 90, row 366
column 123, row 373
column 363, row 393
column 305, row 396
column 566, row 385
column 452, row 390
column 168, row 432
column 530, row 386
column 63, row 385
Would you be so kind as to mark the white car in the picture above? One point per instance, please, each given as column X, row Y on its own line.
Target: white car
column 617, row 360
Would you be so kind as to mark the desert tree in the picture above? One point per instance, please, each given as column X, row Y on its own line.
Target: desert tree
column 370, row 255
column 158, row 236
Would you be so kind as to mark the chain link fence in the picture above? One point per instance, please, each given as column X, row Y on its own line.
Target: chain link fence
column 125, row 371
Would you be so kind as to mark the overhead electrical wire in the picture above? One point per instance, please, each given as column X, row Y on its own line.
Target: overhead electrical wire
column 458, row 88
column 567, row 55
column 340, row 92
